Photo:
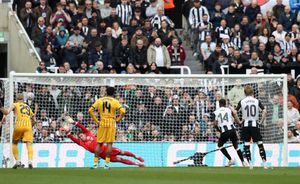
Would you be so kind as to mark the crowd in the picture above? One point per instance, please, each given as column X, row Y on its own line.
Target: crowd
column 242, row 37
column 108, row 37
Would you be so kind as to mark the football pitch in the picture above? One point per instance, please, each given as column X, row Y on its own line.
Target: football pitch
column 186, row 175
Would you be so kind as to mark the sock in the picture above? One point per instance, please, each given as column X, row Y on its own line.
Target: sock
column 15, row 151
column 240, row 154
column 247, row 152
column 30, row 152
column 128, row 162
column 225, row 153
column 262, row 152
column 127, row 153
column 96, row 159
column 107, row 160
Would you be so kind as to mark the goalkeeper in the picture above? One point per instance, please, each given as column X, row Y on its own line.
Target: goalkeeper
column 88, row 141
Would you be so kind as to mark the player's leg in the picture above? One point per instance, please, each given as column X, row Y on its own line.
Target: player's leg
column 258, row 139
column 126, row 161
column 246, row 138
column 110, row 138
column 16, row 137
column 222, row 140
column 127, row 153
column 97, row 155
column 101, row 137
column 28, row 138
column 234, row 140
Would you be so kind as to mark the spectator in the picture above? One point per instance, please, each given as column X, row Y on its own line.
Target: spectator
column 252, row 10
column 236, row 93
column 177, row 55
column 60, row 16
column 76, row 39
column 151, row 10
column 124, row 11
column 113, row 17
column 27, row 17
column 49, row 56
column 106, row 9
column 69, row 54
column 100, row 54
column 116, row 30
column 45, row 120
column 88, row 8
column 293, row 115
column 292, row 138
column 255, row 61
column 279, row 34
column 153, row 69
column 139, row 56
column 287, row 18
column 85, row 28
column 109, row 43
column 43, row 10
column 238, row 64
column 159, row 54
column 217, row 15
column 278, row 9
column 159, row 16
column 122, row 56
column 37, row 34
column 139, row 36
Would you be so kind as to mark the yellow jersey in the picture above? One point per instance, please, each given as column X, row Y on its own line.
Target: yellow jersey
column 23, row 114
column 107, row 108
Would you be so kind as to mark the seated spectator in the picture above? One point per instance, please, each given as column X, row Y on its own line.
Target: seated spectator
column 69, row 54
column 279, row 33
column 130, row 69
column 108, row 42
column 293, row 115
column 83, row 67
column 122, row 56
column 264, row 36
column 100, row 54
column 137, row 14
column 292, row 138
column 68, row 68
column 287, row 44
column 252, row 10
column 76, row 39
column 49, row 56
column 238, row 64
column 113, row 17
column 217, row 65
column 61, row 39
column 98, row 68
column 42, row 68
column 153, row 69
column 255, row 61
column 95, row 19
column 116, row 30
column 85, row 28
column 139, row 36
column 106, row 9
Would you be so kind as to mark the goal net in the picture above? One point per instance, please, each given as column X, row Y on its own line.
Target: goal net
column 168, row 118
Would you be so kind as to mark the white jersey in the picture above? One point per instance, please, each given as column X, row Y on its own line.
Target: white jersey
column 250, row 108
column 223, row 116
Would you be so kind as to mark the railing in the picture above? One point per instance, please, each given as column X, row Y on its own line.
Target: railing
column 182, row 68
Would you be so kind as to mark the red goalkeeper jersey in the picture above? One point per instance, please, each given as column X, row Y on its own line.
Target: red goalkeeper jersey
column 91, row 142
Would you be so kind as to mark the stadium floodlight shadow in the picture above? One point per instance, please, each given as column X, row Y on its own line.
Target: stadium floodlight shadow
column 198, row 158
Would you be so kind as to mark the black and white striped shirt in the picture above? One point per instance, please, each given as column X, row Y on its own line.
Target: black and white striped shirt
column 226, row 46
column 287, row 46
column 203, row 32
column 222, row 31
column 224, row 118
column 156, row 21
column 125, row 13
column 250, row 108
column 294, row 35
column 195, row 16
column 237, row 40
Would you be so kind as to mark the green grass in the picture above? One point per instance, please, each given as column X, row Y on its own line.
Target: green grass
column 151, row 176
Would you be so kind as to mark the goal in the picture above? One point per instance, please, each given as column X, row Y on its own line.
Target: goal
column 167, row 116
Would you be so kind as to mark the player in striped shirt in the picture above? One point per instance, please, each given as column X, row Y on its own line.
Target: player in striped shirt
column 223, row 118
column 250, row 108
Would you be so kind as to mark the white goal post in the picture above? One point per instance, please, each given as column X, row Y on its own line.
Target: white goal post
column 167, row 119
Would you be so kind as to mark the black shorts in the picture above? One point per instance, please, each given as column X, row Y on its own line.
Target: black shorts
column 251, row 132
column 228, row 135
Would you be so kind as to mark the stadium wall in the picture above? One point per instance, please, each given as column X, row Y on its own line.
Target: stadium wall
column 161, row 154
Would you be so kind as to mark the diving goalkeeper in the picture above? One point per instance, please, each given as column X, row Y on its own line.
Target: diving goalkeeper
column 88, row 141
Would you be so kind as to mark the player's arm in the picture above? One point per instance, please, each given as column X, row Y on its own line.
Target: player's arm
column 73, row 138
column 238, row 107
column 92, row 111
column 85, row 130
column 32, row 117
column 122, row 112
column 6, row 112
column 264, row 112
column 235, row 115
